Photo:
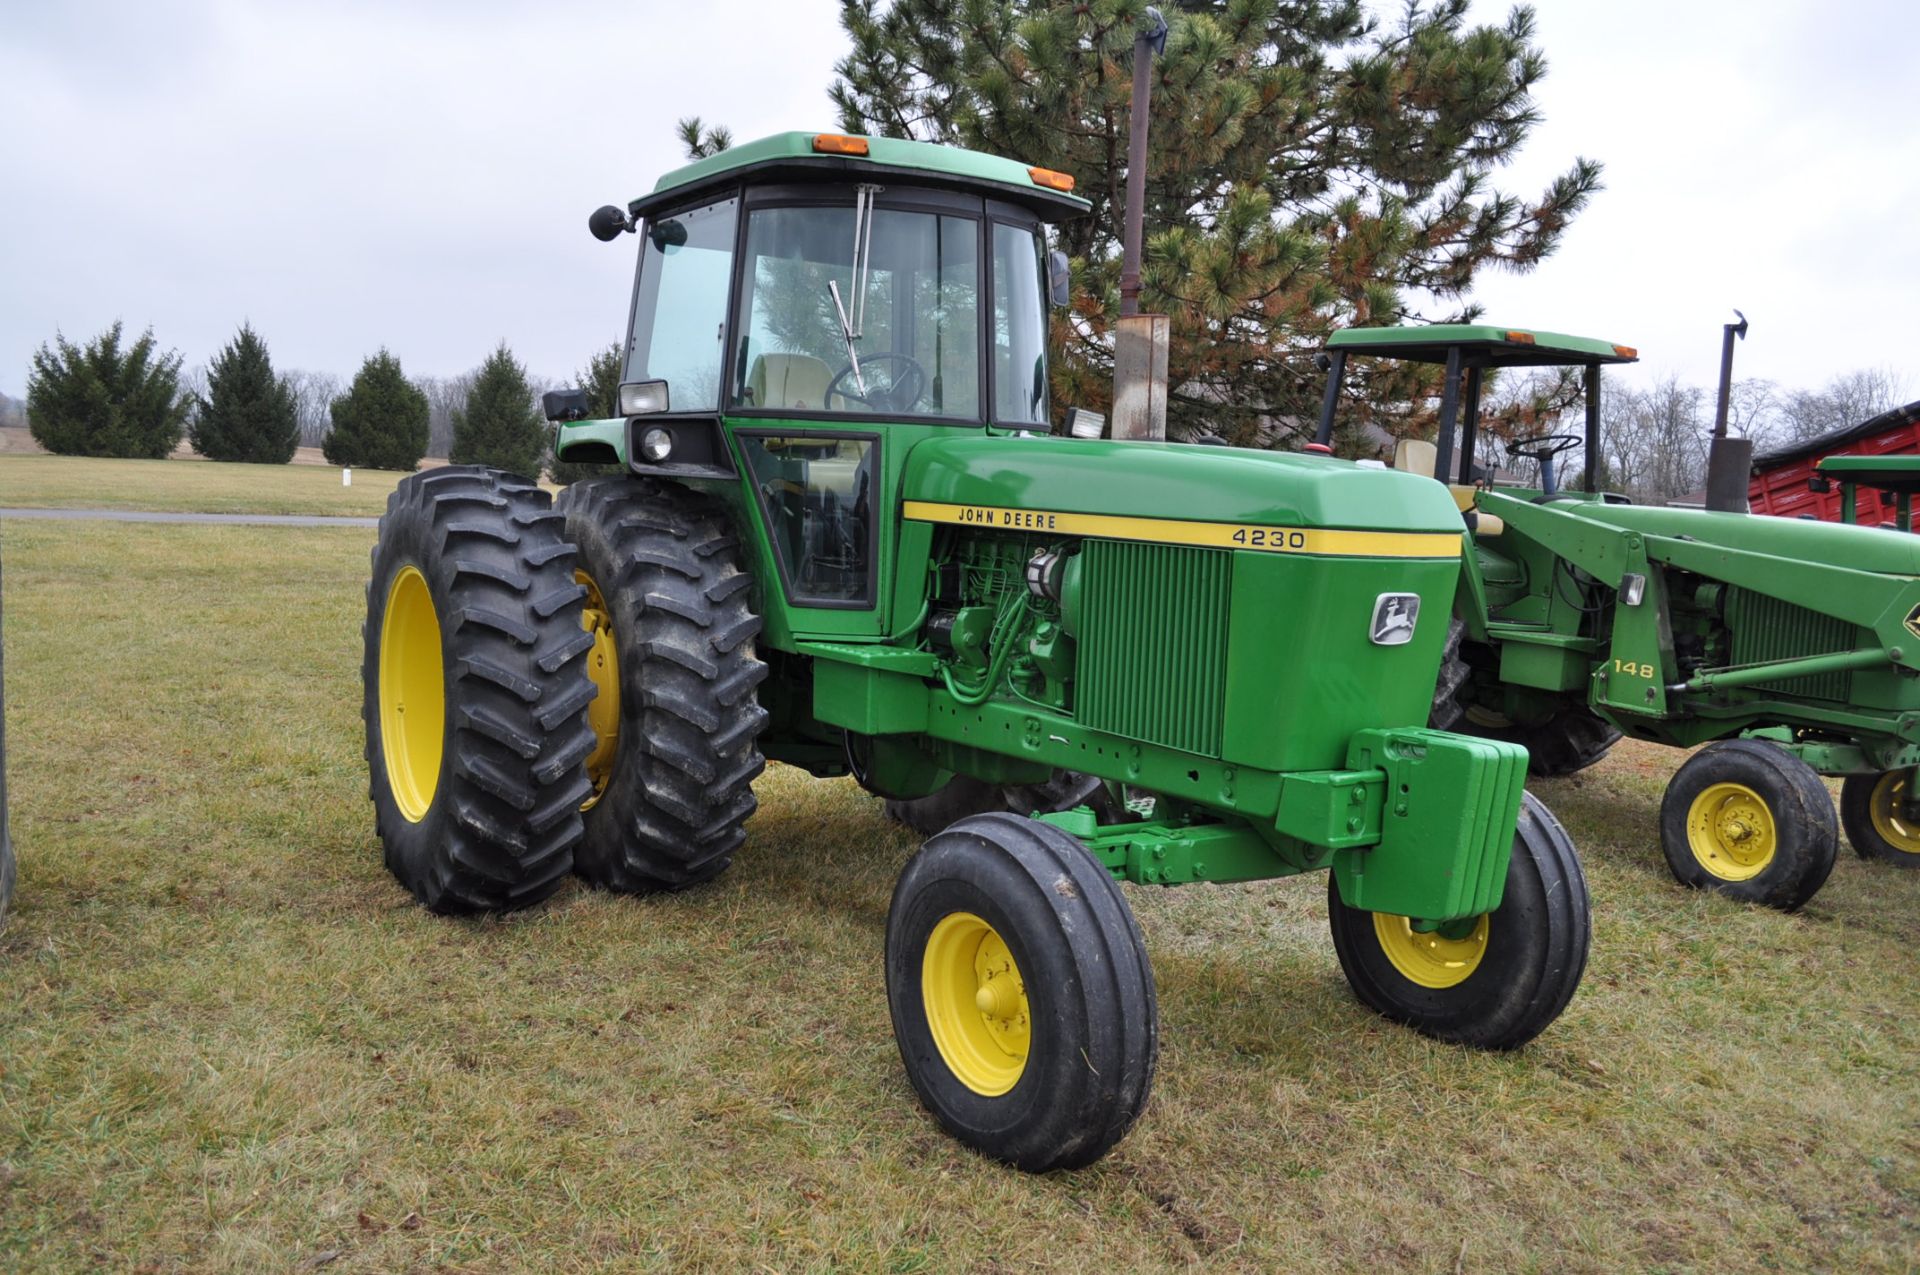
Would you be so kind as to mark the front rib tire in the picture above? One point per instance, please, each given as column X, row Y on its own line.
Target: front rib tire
column 1494, row 982
column 474, row 693
column 1022, row 1000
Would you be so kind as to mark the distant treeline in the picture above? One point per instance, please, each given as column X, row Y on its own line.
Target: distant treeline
column 112, row 397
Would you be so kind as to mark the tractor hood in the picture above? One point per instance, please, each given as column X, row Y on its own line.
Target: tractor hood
column 1226, row 485
column 1873, row 549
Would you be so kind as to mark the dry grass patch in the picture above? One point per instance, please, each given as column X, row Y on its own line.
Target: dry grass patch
column 189, row 486
column 233, row 1043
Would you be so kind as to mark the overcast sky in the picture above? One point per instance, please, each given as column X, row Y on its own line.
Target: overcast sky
column 418, row 175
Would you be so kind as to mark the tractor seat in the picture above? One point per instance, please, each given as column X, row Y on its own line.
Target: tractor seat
column 789, row 380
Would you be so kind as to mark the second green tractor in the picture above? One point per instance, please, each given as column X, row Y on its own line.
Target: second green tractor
column 1790, row 649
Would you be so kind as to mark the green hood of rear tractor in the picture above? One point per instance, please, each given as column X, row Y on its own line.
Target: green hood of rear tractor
column 1872, row 549
column 1176, row 481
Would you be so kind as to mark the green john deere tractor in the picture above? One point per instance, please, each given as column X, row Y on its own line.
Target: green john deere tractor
column 1791, row 649
column 843, row 540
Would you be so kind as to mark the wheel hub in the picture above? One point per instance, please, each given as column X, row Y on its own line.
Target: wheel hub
column 413, row 694
column 1891, row 807
column 976, row 1003
column 1731, row 831
column 603, row 669
column 1439, row 958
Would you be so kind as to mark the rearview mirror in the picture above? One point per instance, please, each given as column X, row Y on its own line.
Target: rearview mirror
column 1059, row 279
column 564, row 405
column 608, row 223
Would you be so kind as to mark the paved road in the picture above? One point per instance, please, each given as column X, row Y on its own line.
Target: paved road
column 139, row 515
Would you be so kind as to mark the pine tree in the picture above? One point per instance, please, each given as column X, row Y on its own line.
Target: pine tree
column 381, row 421
column 499, row 425
column 1309, row 168
column 101, row 400
column 248, row 413
column 601, row 380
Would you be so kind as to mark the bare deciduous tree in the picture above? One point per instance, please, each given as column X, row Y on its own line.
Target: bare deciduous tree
column 313, row 395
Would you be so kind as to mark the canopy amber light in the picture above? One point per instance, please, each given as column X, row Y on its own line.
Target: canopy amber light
column 1520, row 338
column 1626, row 351
column 839, row 144
column 1051, row 180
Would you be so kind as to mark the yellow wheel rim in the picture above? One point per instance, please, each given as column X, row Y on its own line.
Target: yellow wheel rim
column 603, row 667
column 976, row 1003
column 1886, row 806
column 1431, row 958
column 413, row 694
column 1731, row 832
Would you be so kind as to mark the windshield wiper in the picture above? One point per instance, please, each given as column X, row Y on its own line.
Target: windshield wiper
column 853, row 326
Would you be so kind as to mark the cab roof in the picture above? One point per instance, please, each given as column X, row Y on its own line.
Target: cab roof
column 1481, row 345
column 794, row 156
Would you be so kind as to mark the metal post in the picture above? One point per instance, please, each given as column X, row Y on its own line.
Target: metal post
column 1336, row 370
column 1847, row 506
column 1593, row 426
column 1449, row 412
column 1903, row 510
column 1150, row 38
column 1470, row 426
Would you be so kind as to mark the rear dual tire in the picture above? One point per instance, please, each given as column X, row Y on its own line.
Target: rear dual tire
column 475, row 693
column 675, row 765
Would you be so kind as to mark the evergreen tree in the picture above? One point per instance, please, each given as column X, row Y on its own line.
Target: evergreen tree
column 499, row 426
column 101, row 400
column 248, row 413
column 601, row 380
column 381, row 421
column 1310, row 167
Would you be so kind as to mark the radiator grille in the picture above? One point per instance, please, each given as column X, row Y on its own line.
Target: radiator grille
column 1766, row 628
column 1153, row 643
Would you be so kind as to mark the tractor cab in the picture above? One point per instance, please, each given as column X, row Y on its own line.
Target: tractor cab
column 1468, row 352
column 808, row 306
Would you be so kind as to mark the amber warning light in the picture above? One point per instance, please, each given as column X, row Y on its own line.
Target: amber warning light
column 839, row 144
column 1051, row 180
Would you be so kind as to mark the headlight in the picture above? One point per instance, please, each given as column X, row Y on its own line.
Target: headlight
column 656, row 445
column 643, row 398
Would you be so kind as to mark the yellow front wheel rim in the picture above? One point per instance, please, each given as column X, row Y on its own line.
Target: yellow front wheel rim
column 1886, row 806
column 976, row 1003
column 1430, row 957
column 603, row 668
column 1731, row 832
column 413, row 694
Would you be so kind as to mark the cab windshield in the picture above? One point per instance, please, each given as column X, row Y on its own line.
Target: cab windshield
column 902, row 339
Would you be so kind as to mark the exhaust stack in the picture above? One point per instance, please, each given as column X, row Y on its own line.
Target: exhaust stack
column 1729, row 460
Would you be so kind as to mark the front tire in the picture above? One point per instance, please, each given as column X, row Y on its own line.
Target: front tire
column 1494, row 982
column 1749, row 820
column 1873, row 811
column 1022, row 1000
column 673, row 767
column 474, row 693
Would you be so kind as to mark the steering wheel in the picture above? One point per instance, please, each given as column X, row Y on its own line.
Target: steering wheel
column 905, row 389
column 1543, row 448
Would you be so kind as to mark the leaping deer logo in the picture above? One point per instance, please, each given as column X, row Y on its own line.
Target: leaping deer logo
column 1394, row 615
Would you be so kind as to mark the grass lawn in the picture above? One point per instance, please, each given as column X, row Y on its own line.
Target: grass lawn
column 232, row 1043
column 189, row 486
